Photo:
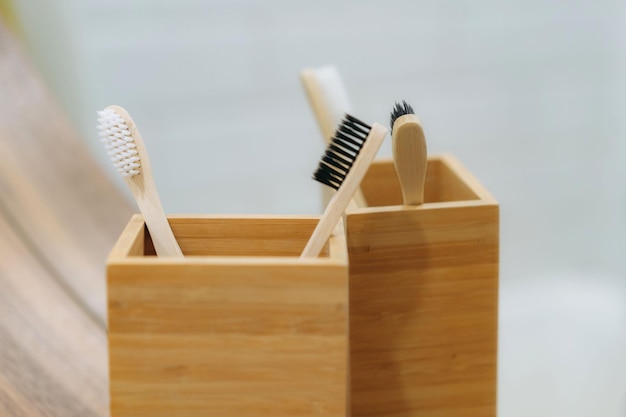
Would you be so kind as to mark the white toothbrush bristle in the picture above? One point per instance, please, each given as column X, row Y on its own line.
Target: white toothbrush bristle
column 119, row 143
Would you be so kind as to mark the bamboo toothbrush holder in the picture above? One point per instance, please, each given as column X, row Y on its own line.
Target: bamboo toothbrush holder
column 239, row 327
column 424, row 296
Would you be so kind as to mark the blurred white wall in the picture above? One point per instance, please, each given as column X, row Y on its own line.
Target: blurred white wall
column 529, row 95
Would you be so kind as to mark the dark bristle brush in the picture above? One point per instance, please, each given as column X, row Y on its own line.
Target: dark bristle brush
column 409, row 153
column 343, row 166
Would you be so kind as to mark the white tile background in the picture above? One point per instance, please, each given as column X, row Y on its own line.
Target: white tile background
column 529, row 95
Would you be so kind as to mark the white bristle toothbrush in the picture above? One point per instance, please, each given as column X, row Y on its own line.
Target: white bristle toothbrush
column 328, row 97
column 329, row 101
column 125, row 146
column 343, row 166
column 409, row 153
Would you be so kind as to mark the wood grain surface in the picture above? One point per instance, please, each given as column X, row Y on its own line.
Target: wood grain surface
column 59, row 217
column 53, row 358
column 424, row 300
column 238, row 335
column 51, row 188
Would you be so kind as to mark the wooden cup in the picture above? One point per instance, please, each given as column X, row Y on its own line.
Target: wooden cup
column 424, row 296
column 239, row 327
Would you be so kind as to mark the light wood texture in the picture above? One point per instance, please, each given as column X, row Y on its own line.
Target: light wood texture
column 145, row 192
column 59, row 216
column 409, row 156
column 52, row 191
column 226, row 334
column 338, row 204
column 53, row 358
column 327, row 98
column 382, row 187
column 215, row 235
column 424, row 300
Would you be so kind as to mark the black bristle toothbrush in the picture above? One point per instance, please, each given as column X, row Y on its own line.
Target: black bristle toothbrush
column 343, row 166
column 409, row 153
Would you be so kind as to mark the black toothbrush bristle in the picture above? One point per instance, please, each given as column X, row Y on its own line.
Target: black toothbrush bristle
column 400, row 109
column 342, row 151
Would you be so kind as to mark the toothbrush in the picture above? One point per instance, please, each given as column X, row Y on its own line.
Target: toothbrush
column 409, row 153
column 329, row 100
column 328, row 97
column 123, row 142
column 343, row 166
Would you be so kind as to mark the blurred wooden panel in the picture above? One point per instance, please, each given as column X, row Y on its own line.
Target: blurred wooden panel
column 51, row 188
column 52, row 353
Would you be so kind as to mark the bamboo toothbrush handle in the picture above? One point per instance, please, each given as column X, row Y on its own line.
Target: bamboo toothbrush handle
column 409, row 156
column 145, row 192
column 149, row 204
column 342, row 197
